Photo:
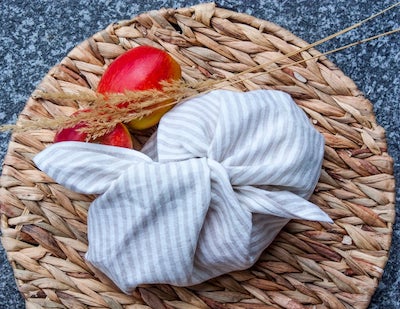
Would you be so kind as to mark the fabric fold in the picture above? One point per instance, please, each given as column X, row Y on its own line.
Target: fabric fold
column 206, row 195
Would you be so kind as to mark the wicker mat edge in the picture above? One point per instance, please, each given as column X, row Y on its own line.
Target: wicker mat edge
column 309, row 265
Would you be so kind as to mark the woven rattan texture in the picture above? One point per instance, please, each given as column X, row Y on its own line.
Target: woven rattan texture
column 309, row 265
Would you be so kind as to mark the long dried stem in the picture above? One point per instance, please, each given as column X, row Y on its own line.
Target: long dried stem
column 312, row 45
column 109, row 109
column 268, row 71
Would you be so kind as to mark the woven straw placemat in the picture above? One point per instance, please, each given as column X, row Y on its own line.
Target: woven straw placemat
column 309, row 265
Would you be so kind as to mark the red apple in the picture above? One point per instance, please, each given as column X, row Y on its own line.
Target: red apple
column 119, row 136
column 71, row 134
column 141, row 68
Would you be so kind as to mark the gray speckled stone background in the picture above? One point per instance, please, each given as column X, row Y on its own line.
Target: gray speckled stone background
column 37, row 34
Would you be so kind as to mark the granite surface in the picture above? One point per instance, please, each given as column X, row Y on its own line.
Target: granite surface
column 35, row 35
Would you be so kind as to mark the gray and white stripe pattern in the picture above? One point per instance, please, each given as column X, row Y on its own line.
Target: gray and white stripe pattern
column 207, row 194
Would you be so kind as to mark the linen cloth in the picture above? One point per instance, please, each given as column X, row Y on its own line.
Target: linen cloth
column 206, row 195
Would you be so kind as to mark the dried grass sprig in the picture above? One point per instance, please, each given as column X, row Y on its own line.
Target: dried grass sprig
column 284, row 66
column 105, row 111
column 267, row 64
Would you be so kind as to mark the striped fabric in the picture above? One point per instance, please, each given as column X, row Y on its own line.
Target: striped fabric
column 207, row 194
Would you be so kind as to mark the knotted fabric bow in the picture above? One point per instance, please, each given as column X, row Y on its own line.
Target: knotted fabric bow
column 206, row 195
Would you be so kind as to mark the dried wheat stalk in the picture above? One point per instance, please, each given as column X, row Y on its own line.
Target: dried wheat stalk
column 108, row 110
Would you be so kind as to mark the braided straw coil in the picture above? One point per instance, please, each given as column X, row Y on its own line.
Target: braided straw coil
column 309, row 265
